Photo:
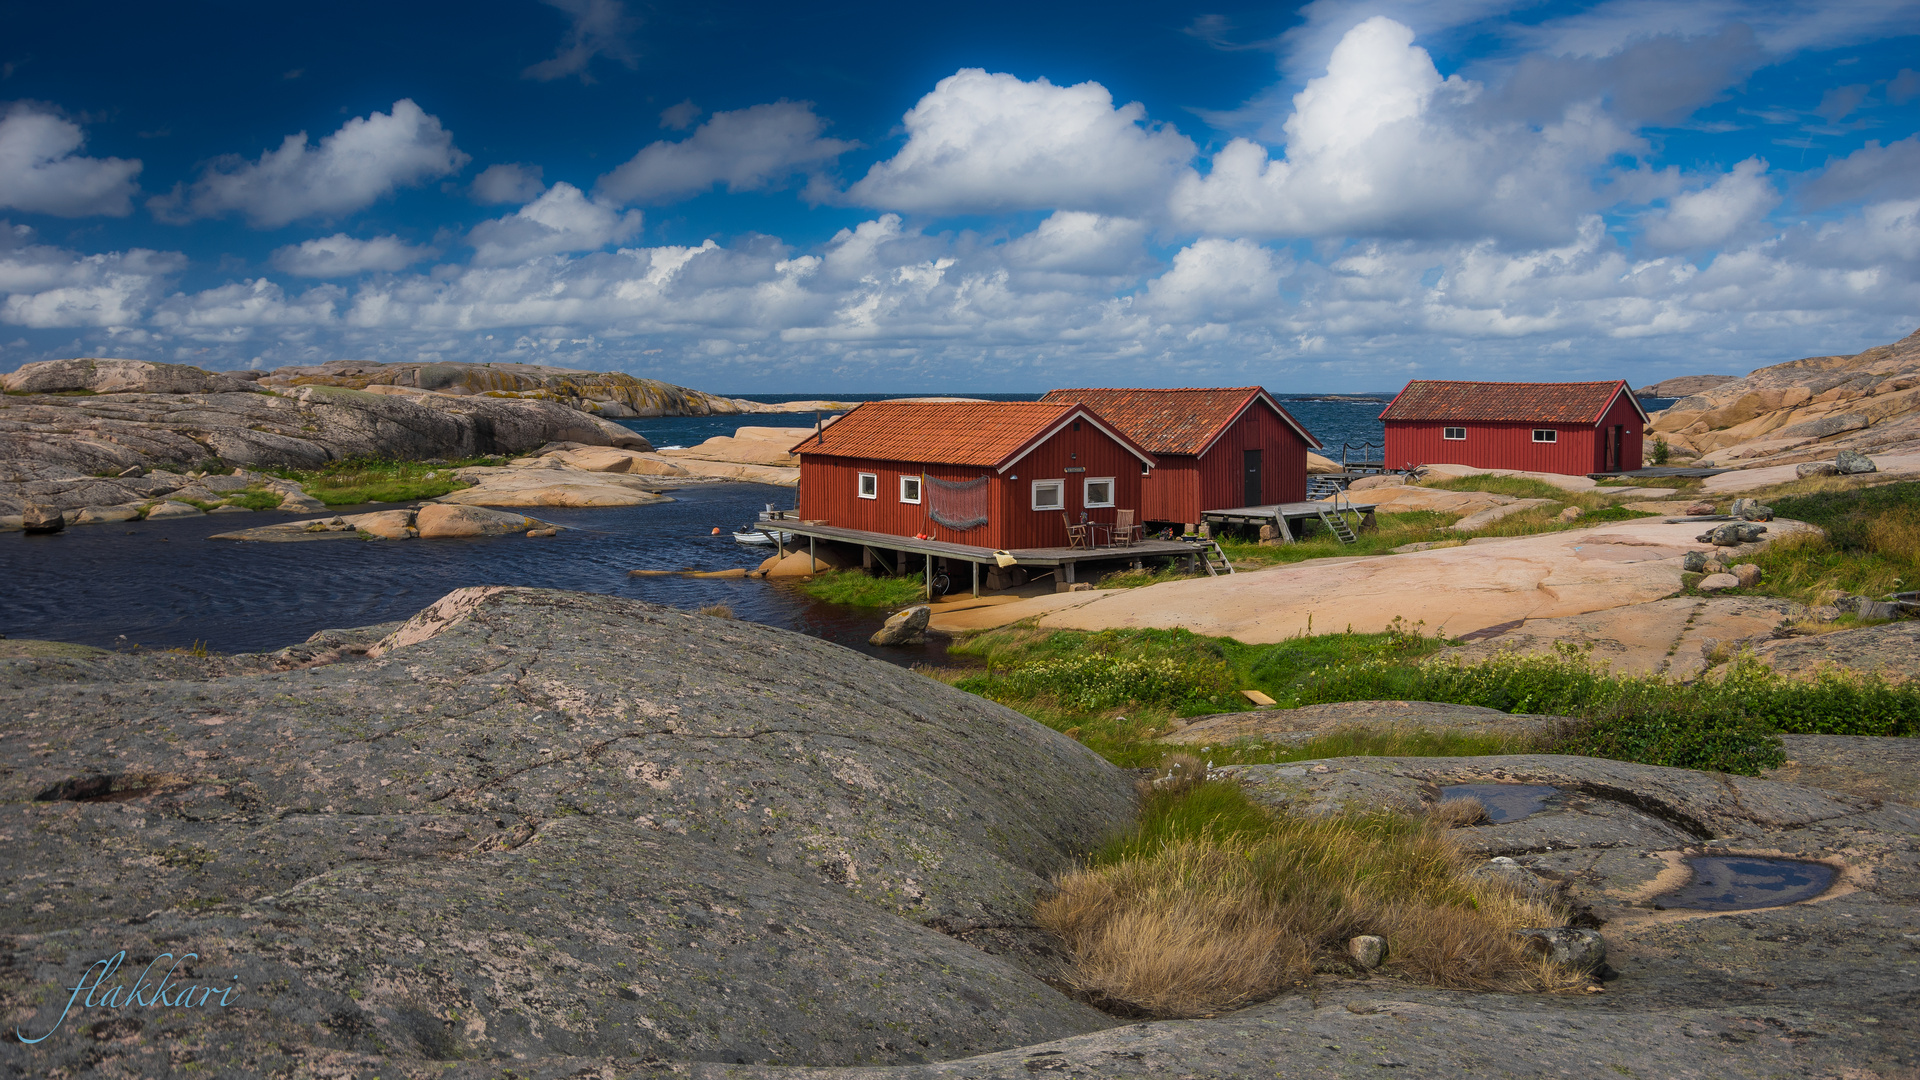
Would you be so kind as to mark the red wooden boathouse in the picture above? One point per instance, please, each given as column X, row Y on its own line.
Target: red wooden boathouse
column 1573, row 428
column 1219, row 448
column 989, row 474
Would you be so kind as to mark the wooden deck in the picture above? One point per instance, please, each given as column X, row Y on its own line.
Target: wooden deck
column 1287, row 514
column 879, row 546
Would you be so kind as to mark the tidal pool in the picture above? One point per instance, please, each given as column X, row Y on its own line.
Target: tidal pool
column 1504, row 802
column 1737, row 883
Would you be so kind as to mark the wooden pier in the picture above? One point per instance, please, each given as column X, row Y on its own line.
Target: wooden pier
column 890, row 553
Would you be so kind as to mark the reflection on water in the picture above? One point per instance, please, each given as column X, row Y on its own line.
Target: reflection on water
column 1734, row 883
column 163, row 584
column 1504, row 802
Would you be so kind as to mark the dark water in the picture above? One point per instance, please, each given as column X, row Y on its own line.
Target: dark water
column 1333, row 422
column 162, row 584
column 1504, row 802
column 1733, row 883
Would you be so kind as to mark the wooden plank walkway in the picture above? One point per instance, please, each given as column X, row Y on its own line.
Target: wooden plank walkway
column 1294, row 511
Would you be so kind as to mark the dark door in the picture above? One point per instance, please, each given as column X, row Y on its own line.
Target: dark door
column 1253, row 478
column 1613, row 449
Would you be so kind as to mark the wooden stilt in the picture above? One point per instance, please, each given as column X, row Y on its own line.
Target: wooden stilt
column 976, row 580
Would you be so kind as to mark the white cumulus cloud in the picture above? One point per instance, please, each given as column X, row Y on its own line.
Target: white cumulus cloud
column 1731, row 206
column 368, row 159
column 507, row 183
column 42, row 286
column 1381, row 145
column 988, row 142
column 341, row 255
column 562, row 220
column 747, row 150
column 1215, row 280
column 1076, row 242
column 41, row 174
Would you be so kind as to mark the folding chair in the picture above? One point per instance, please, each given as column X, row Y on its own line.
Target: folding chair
column 1125, row 529
column 1077, row 535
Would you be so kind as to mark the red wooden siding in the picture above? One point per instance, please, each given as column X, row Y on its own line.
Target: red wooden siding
column 1492, row 446
column 1184, row 486
column 1632, row 435
column 829, row 491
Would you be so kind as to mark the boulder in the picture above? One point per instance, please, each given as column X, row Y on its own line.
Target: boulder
column 97, row 515
column 1569, row 946
column 162, row 510
column 908, row 627
column 42, row 519
column 1849, row 462
column 1694, row 562
column 389, row 524
column 1571, row 513
column 1747, row 573
column 1718, row 582
column 571, row 831
column 1751, row 510
column 440, row 521
column 1815, row 468
column 1368, row 951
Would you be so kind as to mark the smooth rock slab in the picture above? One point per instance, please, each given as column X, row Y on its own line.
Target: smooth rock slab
column 543, row 824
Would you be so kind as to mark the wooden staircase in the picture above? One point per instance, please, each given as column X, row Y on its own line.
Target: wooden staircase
column 1216, row 559
column 1335, row 519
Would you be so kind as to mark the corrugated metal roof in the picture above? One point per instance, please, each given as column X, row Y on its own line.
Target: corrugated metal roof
column 985, row 433
column 1184, row 420
column 1504, row 402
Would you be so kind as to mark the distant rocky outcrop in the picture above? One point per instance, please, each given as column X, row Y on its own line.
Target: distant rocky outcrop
column 548, row 828
column 604, row 393
column 1802, row 410
column 1683, row 385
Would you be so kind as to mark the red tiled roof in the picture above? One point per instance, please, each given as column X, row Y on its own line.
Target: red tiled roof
column 1175, row 421
column 1504, row 402
column 984, row 433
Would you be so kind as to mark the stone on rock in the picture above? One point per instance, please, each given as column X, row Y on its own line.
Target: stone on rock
column 908, row 627
column 42, row 519
column 1815, row 468
column 1004, row 577
column 443, row 520
column 1568, row 946
column 1852, row 461
column 1700, row 508
column 798, row 564
column 552, row 531
column 1369, row 951
column 228, row 508
column 1717, row 582
column 1748, row 573
column 1571, row 513
column 1694, row 562
column 1747, row 534
column 97, row 515
column 172, row 510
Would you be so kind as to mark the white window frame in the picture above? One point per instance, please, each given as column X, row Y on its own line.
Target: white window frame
column 1059, row 486
column 1086, row 491
column 1552, row 435
column 869, row 486
column 1448, row 434
column 919, row 486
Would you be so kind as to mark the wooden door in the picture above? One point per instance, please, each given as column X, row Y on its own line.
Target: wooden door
column 1252, row 494
column 1613, row 449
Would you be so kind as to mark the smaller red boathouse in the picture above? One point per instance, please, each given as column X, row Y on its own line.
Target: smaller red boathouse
column 1572, row 428
column 1219, row 448
column 998, row 474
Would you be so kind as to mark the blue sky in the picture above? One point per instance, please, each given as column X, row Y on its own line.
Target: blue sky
column 794, row 198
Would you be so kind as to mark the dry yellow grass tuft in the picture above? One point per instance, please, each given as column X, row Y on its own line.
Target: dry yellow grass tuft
column 1454, row 813
column 718, row 611
column 1190, row 917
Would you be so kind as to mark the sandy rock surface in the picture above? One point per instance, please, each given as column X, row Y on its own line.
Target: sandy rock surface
column 748, row 446
column 1896, row 466
column 553, row 484
column 429, row 521
column 1461, row 589
column 540, row 826
column 1677, row 637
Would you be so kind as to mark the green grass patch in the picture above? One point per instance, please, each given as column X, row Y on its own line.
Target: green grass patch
column 364, row 480
column 1872, row 546
column 256, row 500
column 1119, row 691
column 856, row 588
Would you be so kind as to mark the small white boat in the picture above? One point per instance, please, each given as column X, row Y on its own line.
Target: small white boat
column 760, row 537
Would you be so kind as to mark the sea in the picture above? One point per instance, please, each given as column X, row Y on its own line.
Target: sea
column 164, row 584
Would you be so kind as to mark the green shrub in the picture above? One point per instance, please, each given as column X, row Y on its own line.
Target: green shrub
column 1103, row 680
column 1662, row 452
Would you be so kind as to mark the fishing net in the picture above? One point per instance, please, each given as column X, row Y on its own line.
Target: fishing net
column 957, row 504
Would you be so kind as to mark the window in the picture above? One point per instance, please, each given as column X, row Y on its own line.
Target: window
column 1545, row 435
column 869, row 485
column 1098, row 491
column 1049, row 494
column 1454, row 433
column 909, row 489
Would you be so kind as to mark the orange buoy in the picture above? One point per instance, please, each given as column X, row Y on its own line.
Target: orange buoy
column 716, row 530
